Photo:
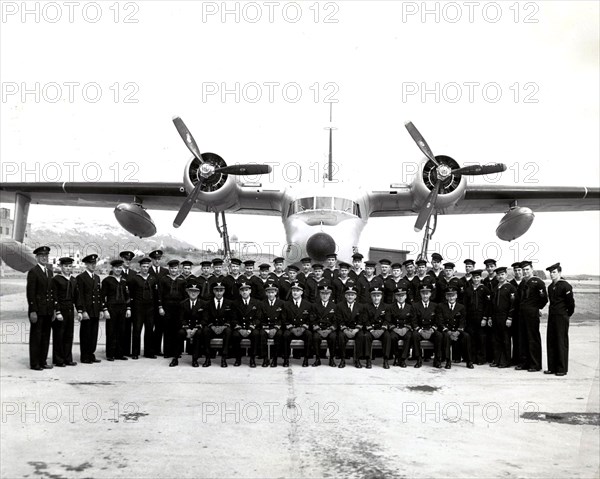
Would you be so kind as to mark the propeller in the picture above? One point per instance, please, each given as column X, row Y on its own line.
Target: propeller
column 443, row 172
column 207, row 170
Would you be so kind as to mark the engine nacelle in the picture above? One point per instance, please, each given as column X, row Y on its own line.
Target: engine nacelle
column 515, row 223
column 134, row 218
column 218, row 192
column 452, row 189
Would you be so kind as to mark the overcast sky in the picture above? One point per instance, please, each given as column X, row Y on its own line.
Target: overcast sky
column 494, row 82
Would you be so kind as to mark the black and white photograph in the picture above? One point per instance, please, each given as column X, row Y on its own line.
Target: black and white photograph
column 299, row 239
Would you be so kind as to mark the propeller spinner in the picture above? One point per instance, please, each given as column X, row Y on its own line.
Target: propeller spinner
column 207, row 170
column 443, row 173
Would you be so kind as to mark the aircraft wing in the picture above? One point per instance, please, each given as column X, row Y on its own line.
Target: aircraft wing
column 492, row 199
column 154, row 196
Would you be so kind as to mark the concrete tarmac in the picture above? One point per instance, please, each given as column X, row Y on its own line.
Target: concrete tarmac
column 142, row 419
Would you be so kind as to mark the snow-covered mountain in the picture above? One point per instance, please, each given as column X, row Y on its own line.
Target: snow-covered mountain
column 76, row 234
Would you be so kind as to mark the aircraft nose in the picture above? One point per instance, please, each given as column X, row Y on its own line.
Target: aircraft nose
column 319, row 246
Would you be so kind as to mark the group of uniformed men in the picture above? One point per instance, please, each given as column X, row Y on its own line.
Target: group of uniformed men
column 470, row 318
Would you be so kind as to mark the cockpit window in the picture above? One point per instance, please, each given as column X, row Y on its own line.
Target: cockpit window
column 324, row 203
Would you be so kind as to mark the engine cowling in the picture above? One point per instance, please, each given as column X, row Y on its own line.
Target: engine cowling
column 134, row 218
column 452, row 189
column 218, row 191
column 515, row 223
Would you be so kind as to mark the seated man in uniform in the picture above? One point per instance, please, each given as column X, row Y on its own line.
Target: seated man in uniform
column 221, row 316
column 273, row 324
column 426, row 326
column 192, row 323
column 452, row 319
column 323, row 313
column 400, row 323
column 297, row 320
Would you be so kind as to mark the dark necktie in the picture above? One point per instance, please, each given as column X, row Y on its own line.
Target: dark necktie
column 218, row 305
column 68, row 296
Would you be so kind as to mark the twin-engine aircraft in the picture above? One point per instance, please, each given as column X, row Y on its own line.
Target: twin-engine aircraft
column 318, row 220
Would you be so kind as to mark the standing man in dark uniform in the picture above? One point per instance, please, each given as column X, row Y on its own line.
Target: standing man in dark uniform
column 490, row 282
column 273, row 323
column 127, row 274
column 233, row 280
column 312, row 284
column 157, row 271
column 306, row 270
column 385, row 265
column 221, row 318
column 377, row 327
column 503, row 303
column 249, row 324
column 142, row 288
column 278, row 276
column 452, row 319
column 217, row 275
column 447, row 281
column 297, row 320
column 250, row 278
column 330, row 272
column 186, row 272
column 410, row 279
column 323, row 314
column 203, row 280
column 401, row 321
column 351, row 317
column 264, row 279
column 436, row 266
column 171, row 292
column 532, row 298
column 117, row 310
column 478, row 303
column 342, row 282
column 66, row 296
column 427, row 326
column 366, row 281
column 192, row 321
column 466, row 279
column 90, row 307
column 421, row 279
column 284, row 290
column 394, row 281
column 562, row 307
column 516, row 323
column 356, row 270
column 40, row 309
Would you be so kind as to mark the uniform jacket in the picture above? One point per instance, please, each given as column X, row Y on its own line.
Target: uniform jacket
column 227, row 315
column 142, row 291
column 478, row 302
column 251, row 314
column 426, row 316
column 400, row 318
column 532, row 294
column 451, row 319
column 298, row 316
column 503, row 301
column 195, row 317
column 377, row 316
column 90, row 294
column 561, row 298
column 274, row 315
column 65, row 293
column 171, row 291
column 355, row 319
column 324, row 317
column 114, row 292
column 39, row 291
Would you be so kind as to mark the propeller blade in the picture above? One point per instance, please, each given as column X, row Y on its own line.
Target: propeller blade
column 187, row 137
column 474, row 170
column 244, row 170
column 420, row 141
column 187, row 204
column 428, row 207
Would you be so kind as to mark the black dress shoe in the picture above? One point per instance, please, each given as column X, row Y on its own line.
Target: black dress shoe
column 86, row 361
column 305, row 363
column 174, row 362
column 437, row 364
column 122, row 358
column 238, row 362
column 561, row 374
column 448, row 365
column 110, row 359
column 396, row 362
column 151, row 356
column 252, row 363
column 493, row 365
column 342, row 364
column 135, row 357
column 206, row 363
column 549, row 372
column 265, row 363
column 419, row 364
column 480, row 363
column 369, row 365
column 470, row 365
column 456, row 361
column 386, row 365
column 61, row 365
column 402, row 363
column 96, row 360
column 274, row 362
column 71, row 363
column 223, row 362
column 332, row 362
column 503, row 366
column 37, row 368
column 48, row 366
column 317, row 362
column 533, row 370
column 357, row 364
column 286, row 363
column 520, row 367
column 194, row 363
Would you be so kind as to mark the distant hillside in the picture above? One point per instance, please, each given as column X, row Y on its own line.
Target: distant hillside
column 68, row 236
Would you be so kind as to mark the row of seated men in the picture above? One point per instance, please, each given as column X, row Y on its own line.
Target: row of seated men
column 308, row 305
